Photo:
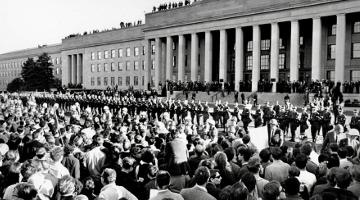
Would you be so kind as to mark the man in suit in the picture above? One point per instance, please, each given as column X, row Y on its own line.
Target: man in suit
column 163, row 182
column 199, row 191
column 333, row 136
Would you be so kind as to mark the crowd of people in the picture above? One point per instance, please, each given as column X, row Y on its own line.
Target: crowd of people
column 133, row 145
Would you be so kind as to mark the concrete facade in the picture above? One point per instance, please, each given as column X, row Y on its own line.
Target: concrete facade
column 218, row 40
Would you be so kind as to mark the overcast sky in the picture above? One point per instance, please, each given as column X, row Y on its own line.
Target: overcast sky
column 29, row 23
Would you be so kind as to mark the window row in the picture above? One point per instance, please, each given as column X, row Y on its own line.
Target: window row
column 117, row 53
column 265, row 45
column 264, row 62
column 355, row 51
column 354, row 75
column 355, row 28
column 120, row 66
column 105, row 81
column 56, row 61
column 12, row 65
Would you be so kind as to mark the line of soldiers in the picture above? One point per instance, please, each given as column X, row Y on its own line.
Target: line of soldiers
column 289, row 117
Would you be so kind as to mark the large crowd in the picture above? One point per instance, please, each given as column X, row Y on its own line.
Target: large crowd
column 134, row 145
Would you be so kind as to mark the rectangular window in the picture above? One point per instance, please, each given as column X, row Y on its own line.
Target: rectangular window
column 143, row 50
column 355, row 75
column 152, row 49
column 355, row 50
column 128, row 52
column 136, row 80
column 152, row 64
column 121, row 54
column 173, row 45
column 264, row 62
column 106, row 54
column 332, row 30
column 105, row 81
column 127, row 80
column 249, row 46
column 186, row 60
column 99, row 67
column 301, row 40
column 136, row 65
column 119, row 81
column 128, row 66
column 143, row 64
column 106, row 67
column 330, row 75
column 136, row 51
column 92, row 55
column 152, row 81
column 112, row 66
column 356, row 27
column 99, row 55
column 57, row 61
column 265, row 45
column 249, row 62
column 282, row 61
column 92, row 68
column 331, row 51
column 112, row 81
column 120, row 66
column 113, row 53
column 98, row 80
column 143, row 80
column 92, row 81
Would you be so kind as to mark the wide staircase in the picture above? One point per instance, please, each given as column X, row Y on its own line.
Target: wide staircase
column 296, row 99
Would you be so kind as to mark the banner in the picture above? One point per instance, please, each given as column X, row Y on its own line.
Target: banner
column 259, row 137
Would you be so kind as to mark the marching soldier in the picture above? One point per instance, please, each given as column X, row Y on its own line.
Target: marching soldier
column 257, row 116
column 341, row 118
column 245, row 117
column 326, row 121
column 303, row 123
column 315, row 121
column 294, row 122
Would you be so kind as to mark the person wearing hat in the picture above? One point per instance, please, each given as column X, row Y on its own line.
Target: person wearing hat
column 341, row 118
column 275, row 134
column 111, row 191
column 326, row 117
column 303, row 123
column 294, row 122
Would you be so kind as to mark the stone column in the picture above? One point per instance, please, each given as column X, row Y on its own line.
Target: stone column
column 79, row 66
column 223, row 56
column 148, row 63
column 256, row 58
column 194, row 56
column 69, row 62
column 274, row 54
column 316, row 49
column 340, row 48
column 73, row 69
column 208, row 57
column 169, row 57
column 294, row 51
column 239, row 57
column 181, row 58
column 163, row 68
column 157, row 62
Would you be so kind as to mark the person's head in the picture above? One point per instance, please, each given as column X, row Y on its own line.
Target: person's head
column 199, row 149
column 128, row 163
column 342, row 178
column 306, row 149
column 108, row 176
column 163, row 179
column 333, row 161
column 249, row 181
column 292, row 186
column 66, row 185
column 246, row 139
column 28, row 168
column 245, row 153
column 202, row 175
column 26, row 191
column 294, row 171
column 230, row 153
column 254, row 165
column 220, row 159
column 271, row 190
column 301, row 161
column 239, row 191
column 276, row 153
column 225, row 193
column 265, row 155
column 355, row 172
column 147, row 156
column 338, row 129
column 57, row 154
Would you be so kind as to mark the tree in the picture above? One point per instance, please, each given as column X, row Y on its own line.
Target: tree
column 16, row 85
column 38, row 75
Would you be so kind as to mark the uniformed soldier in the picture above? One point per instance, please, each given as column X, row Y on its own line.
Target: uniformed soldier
column 341, row 118
column 245, row 117
column 315, row 121
column 257, row 116
column 355, row 120
column 294, row 122
column 326, row 121
column 303, row 123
